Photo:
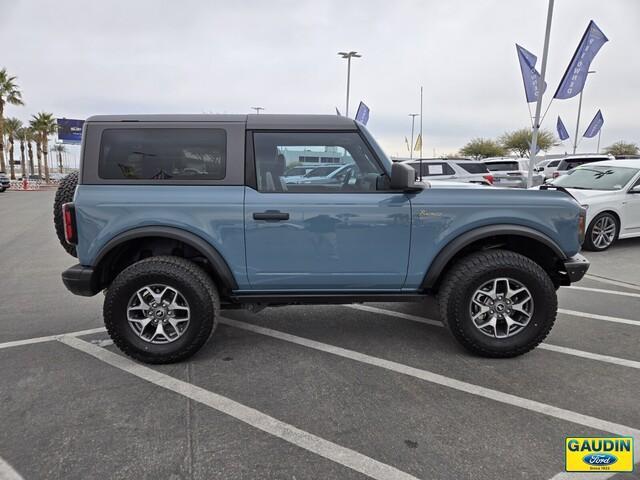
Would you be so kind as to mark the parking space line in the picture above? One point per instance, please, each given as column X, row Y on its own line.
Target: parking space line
column 49, row 338
column 7, row 472
column 431, row 377
column 594, row 316
column 312, row 443
column 600, row 290
column 545, row 346
column 610, row 281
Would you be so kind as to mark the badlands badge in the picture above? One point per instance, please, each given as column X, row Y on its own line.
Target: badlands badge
column 598, row 454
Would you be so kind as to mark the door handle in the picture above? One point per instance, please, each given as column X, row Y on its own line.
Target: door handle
column 271, row 216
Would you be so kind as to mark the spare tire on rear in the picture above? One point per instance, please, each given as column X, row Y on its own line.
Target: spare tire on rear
column 64, row 194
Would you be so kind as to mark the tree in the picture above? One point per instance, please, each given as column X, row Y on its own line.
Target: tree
column 518, row 141
column 59, row 149
column 31, row 137
column 482, row 148
column 622, row 148
column 9, row 94
column 44, row 125
column 22, row 135
column 11, row 127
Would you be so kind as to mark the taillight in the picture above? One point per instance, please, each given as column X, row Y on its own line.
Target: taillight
column 488, row 178
column 556, row 174
column 582, row 224
column 69, row 222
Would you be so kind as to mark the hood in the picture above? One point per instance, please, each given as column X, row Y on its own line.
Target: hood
column 589, row 196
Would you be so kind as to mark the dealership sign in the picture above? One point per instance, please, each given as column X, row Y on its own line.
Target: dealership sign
column 69, row 130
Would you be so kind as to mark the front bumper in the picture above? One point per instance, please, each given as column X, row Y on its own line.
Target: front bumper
column 576, row 267
column 81, row 280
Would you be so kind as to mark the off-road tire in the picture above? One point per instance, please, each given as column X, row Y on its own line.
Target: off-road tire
column 192, row 282
column 471, row 272
column 588, row 241
column 64, row 194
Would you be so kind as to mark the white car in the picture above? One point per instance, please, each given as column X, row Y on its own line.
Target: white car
column 547, row 167
column 610, row 191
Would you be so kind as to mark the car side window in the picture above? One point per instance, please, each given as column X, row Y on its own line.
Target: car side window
column 162, row 154
column 343, row 162
column 436, row 169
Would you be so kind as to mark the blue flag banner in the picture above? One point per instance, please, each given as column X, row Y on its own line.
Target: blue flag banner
column 595, row 125
column 574, row 78
column 362, row 115
column 562, row 131
column 530, row 75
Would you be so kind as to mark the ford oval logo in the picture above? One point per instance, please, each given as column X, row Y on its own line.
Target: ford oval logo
column 600, row 459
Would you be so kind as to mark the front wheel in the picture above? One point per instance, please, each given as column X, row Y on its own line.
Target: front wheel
column 161, row 309
column 602, row 232
column 498, row 303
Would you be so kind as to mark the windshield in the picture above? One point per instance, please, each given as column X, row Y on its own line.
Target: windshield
column 596, row 178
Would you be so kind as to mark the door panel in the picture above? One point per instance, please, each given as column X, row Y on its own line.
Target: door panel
column 330, row 241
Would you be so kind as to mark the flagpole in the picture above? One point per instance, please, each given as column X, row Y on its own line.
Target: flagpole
column 421, row 136
column 413, row 122
column 599, row 133
column 543, row 71
column 575, row 139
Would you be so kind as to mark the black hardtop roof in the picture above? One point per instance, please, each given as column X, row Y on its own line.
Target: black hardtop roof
column 253, row 121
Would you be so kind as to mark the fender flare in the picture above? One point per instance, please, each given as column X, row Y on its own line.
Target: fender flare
column 457, row 244
column 216, row 260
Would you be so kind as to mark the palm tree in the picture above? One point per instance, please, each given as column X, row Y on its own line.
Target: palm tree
column 31, row 137
column 59, row 149
column 11, row 127
column 9, row 94
column 22, row 135
column 44, row 125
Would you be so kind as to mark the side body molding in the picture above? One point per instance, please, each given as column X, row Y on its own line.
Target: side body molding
column 467, row 238
column 213, row 256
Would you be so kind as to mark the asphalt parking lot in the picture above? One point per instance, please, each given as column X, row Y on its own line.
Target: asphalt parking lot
column 375, row 390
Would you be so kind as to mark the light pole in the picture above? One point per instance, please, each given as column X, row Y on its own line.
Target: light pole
column 257, row 109
column 348, row 56
column 575, row 139
column 413, row 122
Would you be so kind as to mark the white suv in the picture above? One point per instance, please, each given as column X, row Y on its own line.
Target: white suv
column 511, row 172
column 458, row 169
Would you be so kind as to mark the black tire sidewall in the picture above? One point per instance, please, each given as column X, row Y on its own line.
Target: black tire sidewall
column 588, row 243
column 202, row 313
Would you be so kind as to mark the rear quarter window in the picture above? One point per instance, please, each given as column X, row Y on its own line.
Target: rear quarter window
column 162, row 154
column 473, row 167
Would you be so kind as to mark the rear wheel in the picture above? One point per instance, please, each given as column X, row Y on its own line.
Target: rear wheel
column 64, row 194
column 498, row 303
column 161, row 309
column 602, row 232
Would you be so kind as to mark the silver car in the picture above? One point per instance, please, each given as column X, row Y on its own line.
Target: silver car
column 458, row 169
column 511, row 172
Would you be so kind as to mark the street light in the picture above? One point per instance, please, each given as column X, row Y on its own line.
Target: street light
column 257, row 109
column 575, row 140
column 348, row 56
column 413, row 122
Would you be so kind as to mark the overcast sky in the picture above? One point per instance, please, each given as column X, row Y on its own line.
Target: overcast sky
column 79, row 58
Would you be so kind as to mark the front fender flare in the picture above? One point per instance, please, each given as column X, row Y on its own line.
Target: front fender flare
column 456, row 245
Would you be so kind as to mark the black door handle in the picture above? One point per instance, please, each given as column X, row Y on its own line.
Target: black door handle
column 271, row 216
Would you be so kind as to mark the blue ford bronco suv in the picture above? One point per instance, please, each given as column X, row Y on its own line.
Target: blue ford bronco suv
column 176, row 217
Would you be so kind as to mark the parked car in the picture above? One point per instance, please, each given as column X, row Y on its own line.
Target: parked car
column 5, row 182
column 170, row 253
column 459, row 169
column 610, row 191
column 56, row 176
column 573, row 161
column 33, row 178
column 511, row 172
column 331, row 176
column 317, row 171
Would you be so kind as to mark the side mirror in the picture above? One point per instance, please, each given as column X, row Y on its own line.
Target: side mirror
column 635, row 189
column 403, row 177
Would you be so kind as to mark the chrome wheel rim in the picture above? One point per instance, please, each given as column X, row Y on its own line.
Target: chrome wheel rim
column 501, row 308
column 603, row 232
column 158, row 314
